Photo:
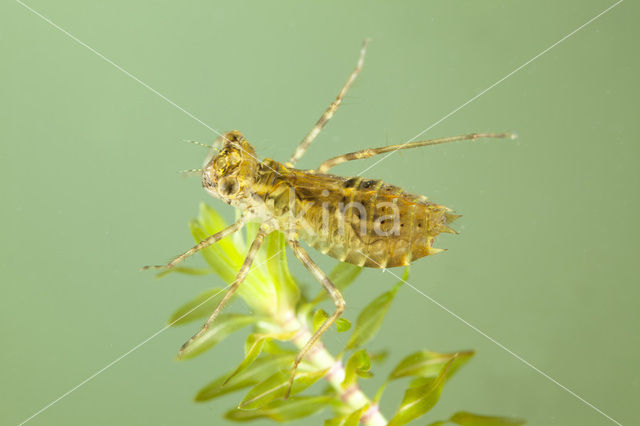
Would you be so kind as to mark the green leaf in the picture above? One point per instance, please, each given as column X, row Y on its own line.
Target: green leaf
column 358, row 364
column 212, row 222
column 429, row 364
column 341, row 276
column 199, row 307
column 352, row 419
column 276, row 386
column 282, row 410
column 223, row 326
column 251, row 230
column 370, row 319
column 214, row 255
column 251, row 353
column 271, row 347
column 419, row 399
column 424, row 364
column 260, row 370
column 336, row 421
column 211, row 219
column 287, row 289
column 379, row 356
column 463, row 418
column 344, row 274
column 468, row 419
column 342, row 325
column 319, row 317
column 253, row 348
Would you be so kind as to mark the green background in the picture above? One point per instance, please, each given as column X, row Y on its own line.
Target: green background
column 545, row 262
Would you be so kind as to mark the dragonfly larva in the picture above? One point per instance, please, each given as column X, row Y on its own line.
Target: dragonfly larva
column 361, row 221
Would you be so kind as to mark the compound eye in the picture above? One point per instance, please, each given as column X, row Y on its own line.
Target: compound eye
column 228, row 187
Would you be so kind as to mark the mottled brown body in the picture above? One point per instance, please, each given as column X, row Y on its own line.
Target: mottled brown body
column 356, row 220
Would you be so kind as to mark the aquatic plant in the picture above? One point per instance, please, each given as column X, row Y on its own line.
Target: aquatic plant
column 281, row 320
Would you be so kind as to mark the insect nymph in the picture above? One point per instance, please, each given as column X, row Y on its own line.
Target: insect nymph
column 356, row 220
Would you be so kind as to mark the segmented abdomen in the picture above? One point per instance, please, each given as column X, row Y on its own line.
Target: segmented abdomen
column 356, row 220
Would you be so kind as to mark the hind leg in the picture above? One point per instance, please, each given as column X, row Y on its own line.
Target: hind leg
column 367, row 153
column 335, row 295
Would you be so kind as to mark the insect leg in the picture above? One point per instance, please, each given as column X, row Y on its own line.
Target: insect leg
column 317, row 273
column 302, row 148
column 240, row 276
column 202, row 244
column 366, row 153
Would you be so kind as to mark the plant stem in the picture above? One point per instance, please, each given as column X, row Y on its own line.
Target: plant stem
column 320, row 357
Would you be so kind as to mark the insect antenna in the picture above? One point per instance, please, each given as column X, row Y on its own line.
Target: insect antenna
column 198, row 143
column 190, row 172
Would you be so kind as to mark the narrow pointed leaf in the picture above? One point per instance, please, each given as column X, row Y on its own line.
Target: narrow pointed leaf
column 379, row 392
column 252, row 231
column 210, row 219
column 271, row 246
column 283, row 410
column 253, row 347
column 352, row 419
column 419, row 399
column 214, row 255
column 429, row 364
column 380, row 356
column 319, row 317
column 276, row 386
column 223, row 326
column 468, row 419
column 258, row 371
column 342, row 325
column 370, row 319
column 358, row 364
column 212, row 222
column 251, row 355
column 344, row 274
column 199, row 307
column 287, row 291
column 271, row 347
column 336, row 421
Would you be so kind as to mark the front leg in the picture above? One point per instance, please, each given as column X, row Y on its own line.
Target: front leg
column 242, row 274
column 330, row 111
column 201, row 245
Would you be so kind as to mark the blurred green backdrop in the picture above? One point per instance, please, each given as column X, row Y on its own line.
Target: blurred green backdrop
column 90, row 191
